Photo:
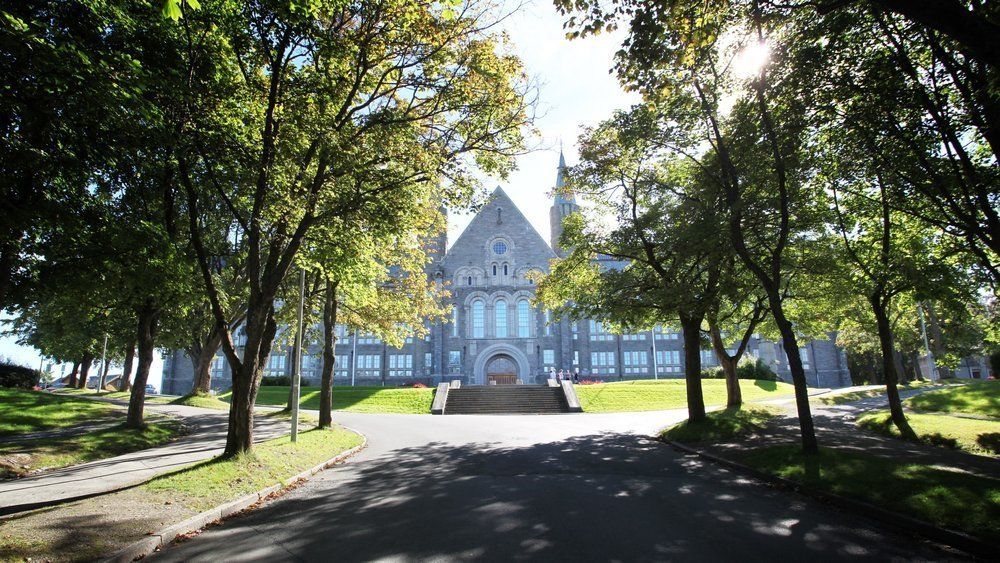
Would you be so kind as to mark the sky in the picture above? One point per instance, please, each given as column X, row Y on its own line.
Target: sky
column 575, row 90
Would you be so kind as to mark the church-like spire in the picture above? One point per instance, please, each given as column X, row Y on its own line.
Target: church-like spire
column 561, row 180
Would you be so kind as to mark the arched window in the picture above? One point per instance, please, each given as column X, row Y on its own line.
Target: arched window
column 501, row 318
column 523, row 319
column 505, row 269
column 478, row 319
column 494, row 269
column 454, row 320
column 470, row 280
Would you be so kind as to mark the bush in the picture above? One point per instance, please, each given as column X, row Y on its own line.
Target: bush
column 276, row 381
column 748, row 368
column 20, row 377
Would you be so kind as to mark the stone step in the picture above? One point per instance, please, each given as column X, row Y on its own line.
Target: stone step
column 513, row 399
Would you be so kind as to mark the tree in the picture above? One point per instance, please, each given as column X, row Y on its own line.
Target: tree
column 352, row 107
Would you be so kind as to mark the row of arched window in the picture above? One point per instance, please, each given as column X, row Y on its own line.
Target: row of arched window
column 500, row 320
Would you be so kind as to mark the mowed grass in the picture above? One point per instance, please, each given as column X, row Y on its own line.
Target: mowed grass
column 399, row 400
column 853, row 396
column 201, row 401
column 19, row 459
column 721, row 426
column 978, row 436
column 663, row 394
column 978, row 397
column 34, row 411
column 211, row 483
column 954, row 500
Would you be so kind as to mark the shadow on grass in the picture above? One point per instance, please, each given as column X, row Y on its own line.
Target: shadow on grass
column 32, row 411
column 766, row 385
column 360, row 399
column 980, row 397
column 989, row 441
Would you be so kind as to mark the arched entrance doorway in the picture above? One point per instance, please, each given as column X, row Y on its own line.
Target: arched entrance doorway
column 502, row 369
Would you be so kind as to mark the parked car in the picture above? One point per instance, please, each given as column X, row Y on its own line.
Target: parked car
column 150, row 390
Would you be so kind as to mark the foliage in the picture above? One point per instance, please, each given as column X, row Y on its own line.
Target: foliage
column 721, row 426
column 15, row 376
column 961, row 501
column 276, row 380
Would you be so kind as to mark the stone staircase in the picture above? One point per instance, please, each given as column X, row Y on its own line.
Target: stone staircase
column 506, row 399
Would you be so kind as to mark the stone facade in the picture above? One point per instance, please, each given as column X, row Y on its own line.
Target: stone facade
column 496, row 333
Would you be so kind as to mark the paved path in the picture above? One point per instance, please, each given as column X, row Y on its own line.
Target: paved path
column 589, row 487
column 207, row 438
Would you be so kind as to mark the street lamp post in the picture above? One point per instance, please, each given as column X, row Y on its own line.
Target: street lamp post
column 297, row 374
column 104, row 365
column 652, row 334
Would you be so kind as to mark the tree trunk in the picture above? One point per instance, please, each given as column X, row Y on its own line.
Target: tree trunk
column 88, row 359
column 148, row 316
column 791, row 345
column 202, row 355
column 885, row 340
column 691, row 328
column 260, row 330
column 73, row 375
column 103, row 381
column 734, row 396
column 125, row 383
column 329, row 355
column 937, row 340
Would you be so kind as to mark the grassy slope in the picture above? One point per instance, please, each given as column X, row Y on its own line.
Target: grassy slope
column 721, row 426
column 947, row 498
column 979, row 436
column 852, row 396
column 210, row 483
column 979, row 397
column 355, row 399
column 34, row 411
column 21, row 458
column 201, row 401
column 649, row 395
column 87, row 530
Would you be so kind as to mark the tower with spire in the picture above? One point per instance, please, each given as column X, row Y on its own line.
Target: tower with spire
column 562, row 207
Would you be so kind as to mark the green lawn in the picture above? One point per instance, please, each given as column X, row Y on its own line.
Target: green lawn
column 211, row 483
column 852, row 396
column 202, row 401
column 721, row 426
column 651, row 395
column 977, row 397
column 979, row 436
column 18, row 459
column 405, row 400
column 954, row 500
column 91, row 529
column 33, row 411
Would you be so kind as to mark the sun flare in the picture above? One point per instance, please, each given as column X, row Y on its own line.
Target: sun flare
column 751, row 59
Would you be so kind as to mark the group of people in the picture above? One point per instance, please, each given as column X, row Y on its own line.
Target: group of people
column 565, row 375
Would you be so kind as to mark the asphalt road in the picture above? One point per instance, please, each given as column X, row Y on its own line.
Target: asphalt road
column 586, row 487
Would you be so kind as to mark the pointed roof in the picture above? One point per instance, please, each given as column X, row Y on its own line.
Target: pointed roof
column 484, row 226
column 561, row 182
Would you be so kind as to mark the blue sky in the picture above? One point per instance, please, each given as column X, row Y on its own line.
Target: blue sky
column 575, row 90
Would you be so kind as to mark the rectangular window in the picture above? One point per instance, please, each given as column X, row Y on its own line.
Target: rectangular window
column 523, row 319
column 665, row 333
column 454, row 320
column 634, row 337
column 708, row 358
column 368, row 338
column 340, row 331
column 668, row 361
column 804, row 353
column 428, row 361
column 276, row 364
column 549, row 357
column 636, row 362
column 400, row 365
column 454, row 361
column 548, row 323
column 602, row 363
column 598, row 332
column 575, row 328
column 369, row 365
column 576, row 357
column 342, row 366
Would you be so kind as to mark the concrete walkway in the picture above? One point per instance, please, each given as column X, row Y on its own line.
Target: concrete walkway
column 207, row 438
column 586, row 487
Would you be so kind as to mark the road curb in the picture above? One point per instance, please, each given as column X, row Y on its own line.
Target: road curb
column 901, row 522
column 162, row 538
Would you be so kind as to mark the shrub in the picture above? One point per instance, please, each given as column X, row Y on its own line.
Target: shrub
column 13, row 375
column 713, row 373
column 754, row 369
column 276, row 381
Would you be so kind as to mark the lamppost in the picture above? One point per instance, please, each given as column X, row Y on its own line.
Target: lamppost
column 297, row 373
column 104, row 365
column 652, row 334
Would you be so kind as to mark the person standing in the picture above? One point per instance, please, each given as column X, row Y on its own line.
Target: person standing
column 576, row 375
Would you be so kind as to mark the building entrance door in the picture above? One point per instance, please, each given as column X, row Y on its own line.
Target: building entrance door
column 502, row 369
